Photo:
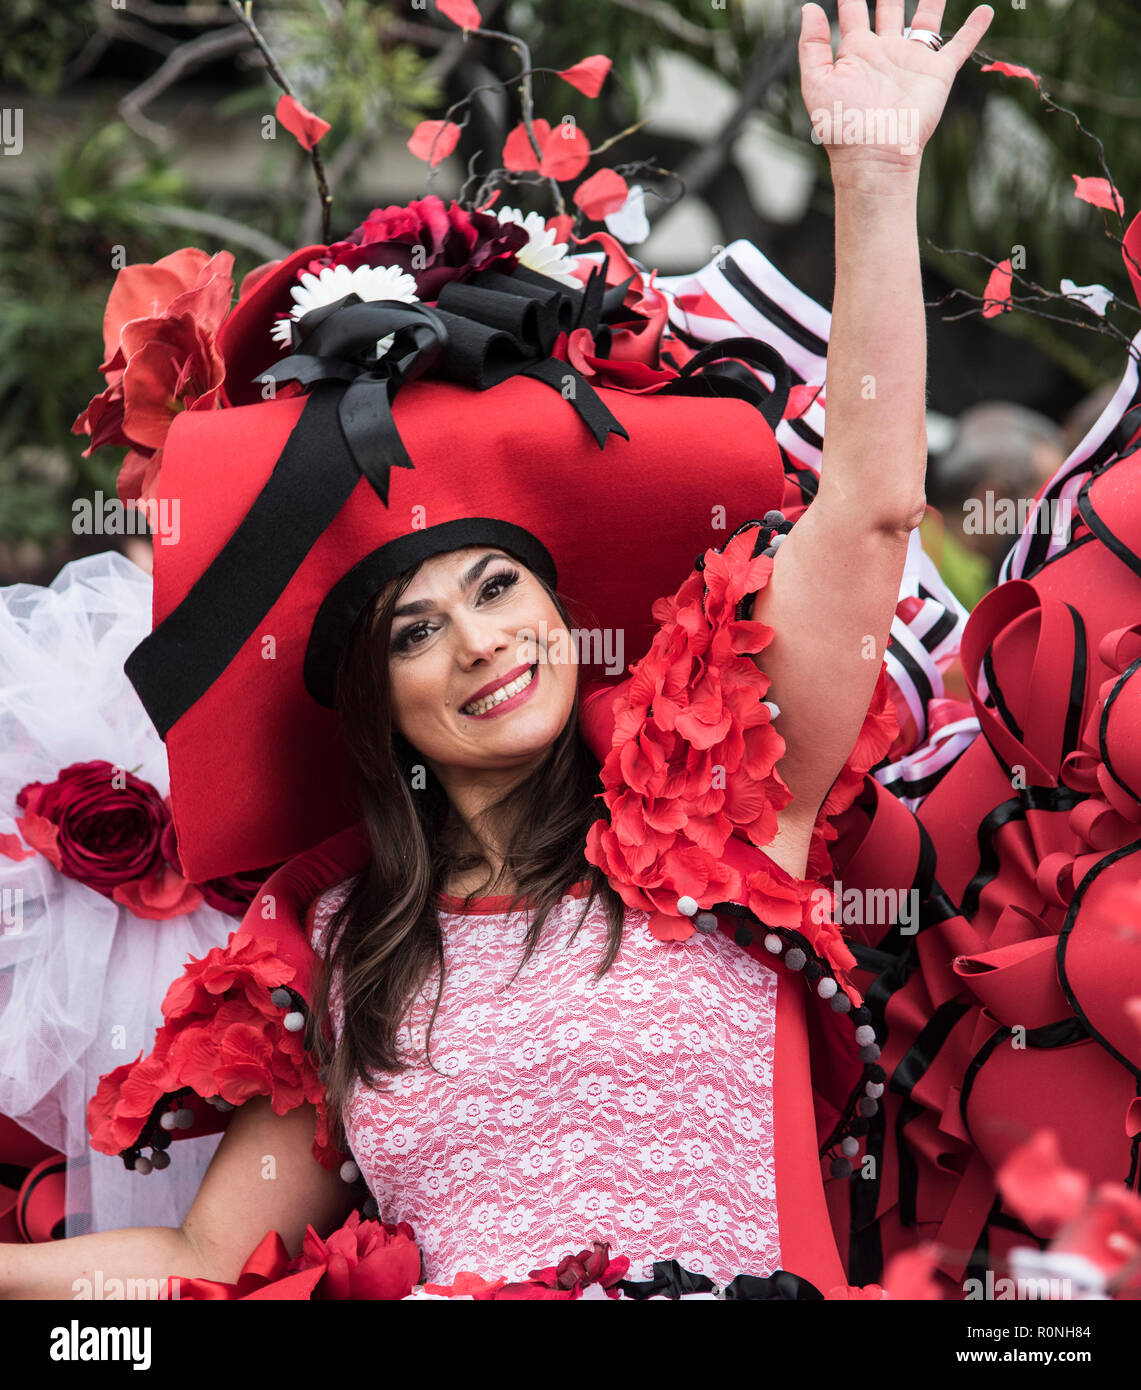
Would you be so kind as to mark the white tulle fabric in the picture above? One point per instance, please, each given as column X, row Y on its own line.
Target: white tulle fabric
column 81, row 978
column 637, row 1109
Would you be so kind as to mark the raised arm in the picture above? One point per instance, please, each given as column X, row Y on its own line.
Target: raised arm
column 836, row 576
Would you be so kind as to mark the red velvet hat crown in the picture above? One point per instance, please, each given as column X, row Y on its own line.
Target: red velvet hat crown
column 515, row 412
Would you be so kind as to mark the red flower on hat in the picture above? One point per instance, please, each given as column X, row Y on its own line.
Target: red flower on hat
column 430, row 241
column 159, row 358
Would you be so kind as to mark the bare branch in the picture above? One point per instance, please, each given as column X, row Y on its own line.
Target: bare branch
column 194, row 53
column 225, row 228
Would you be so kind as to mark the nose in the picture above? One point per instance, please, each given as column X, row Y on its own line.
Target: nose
column 478, row 639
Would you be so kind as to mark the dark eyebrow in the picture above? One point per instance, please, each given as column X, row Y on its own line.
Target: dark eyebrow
column 427, row 605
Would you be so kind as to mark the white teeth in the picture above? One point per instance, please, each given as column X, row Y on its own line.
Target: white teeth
column 497, row 697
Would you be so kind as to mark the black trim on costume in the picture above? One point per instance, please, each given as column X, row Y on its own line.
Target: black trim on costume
column 1103, row 722
column 354, row 591
column 994, row 690
column 1072, row 731
column 1063, row 941
column 1063, row 1033
column 1029, row 799
column 1114, row 544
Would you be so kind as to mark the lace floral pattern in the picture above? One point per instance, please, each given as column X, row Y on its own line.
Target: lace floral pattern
column 637, row 1110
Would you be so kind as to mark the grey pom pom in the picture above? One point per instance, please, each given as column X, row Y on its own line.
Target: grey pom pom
column 871, row 1053
column 706, row 922
column 840, row 1168
column 874, row 1089
column 773, row 517
column 160, row 1159
column 850, row 1147
column 865, row 1034
column 868, row 1107
column 282, row 997
column 795, row 958
column 183, row 1118
column 143, row 1164
column 840, row 1002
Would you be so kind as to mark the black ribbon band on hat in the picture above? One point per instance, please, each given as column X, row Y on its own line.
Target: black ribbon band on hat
column 705, row 374
column 344, row 602
column 346, row 431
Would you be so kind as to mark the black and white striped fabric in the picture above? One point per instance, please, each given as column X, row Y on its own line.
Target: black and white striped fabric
column 1049, row 527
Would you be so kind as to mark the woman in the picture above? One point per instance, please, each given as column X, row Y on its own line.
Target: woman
column 473, row 783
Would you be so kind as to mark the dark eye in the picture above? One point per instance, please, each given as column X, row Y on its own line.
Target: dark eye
column 504, row 580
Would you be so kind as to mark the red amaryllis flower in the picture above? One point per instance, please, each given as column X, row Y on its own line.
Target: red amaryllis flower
column 363, row 1260
column 159, row 358
column 593, row 1266
column 108, row 824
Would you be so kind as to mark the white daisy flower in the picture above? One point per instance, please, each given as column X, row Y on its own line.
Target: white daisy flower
column 542, row 253
column 370, row 282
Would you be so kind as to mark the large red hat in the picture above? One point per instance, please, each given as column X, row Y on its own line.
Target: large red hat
column 496, row 417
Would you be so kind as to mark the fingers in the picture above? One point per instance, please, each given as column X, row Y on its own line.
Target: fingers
column 815, row 49
column 929, row 15
column 853, row 17
column 889, row 18
column 966, row 40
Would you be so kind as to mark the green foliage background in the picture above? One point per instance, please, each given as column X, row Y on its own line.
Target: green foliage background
column 100, row 184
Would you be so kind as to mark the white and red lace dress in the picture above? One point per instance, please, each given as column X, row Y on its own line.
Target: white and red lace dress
column 646, row 1109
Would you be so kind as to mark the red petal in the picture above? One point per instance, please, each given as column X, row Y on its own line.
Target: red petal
column 12, row 847
column 588, row 75
column 566, row 152
column 303, row 125
column 518, row 155
column 1038, row 1185
column 800, row 398
column 909, row 1275
column 996, row 296
column 461, row 12
column 602, row 194
column 434, row 140
column 1100, row 192
column 42, row 835
column 1013, row 70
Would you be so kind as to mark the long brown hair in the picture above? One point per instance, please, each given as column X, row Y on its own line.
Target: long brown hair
column 383, row 941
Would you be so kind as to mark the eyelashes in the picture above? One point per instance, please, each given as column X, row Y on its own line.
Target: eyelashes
column 504, row 578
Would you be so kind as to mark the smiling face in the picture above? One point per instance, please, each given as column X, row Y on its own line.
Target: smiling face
column 470, row 622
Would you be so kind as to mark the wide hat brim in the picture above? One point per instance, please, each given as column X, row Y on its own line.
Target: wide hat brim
column 259, row 770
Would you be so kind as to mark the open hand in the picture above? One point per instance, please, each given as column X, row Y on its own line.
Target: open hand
column 880, row 100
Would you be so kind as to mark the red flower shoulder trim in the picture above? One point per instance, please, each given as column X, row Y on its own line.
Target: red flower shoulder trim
column 693, row 763
column 233, row 1030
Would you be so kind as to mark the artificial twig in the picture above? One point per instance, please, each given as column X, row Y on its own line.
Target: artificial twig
column 244, row 13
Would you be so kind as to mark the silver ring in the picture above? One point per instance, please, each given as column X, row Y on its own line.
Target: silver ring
column 927, row 36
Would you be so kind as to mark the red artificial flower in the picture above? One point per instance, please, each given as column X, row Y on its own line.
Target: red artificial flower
column 1100, row 192
column 869, row 1293
column 362, row 1260
column 518, row 153
column 1039, row 1187
column 1013, row 70
column 461, row 12
column 432, row 242
column 159, row 358
column 593, row 1266
column 434, row 140
column 566, row 152
column 469, row 1285
column 302, row 124
column 223, row 1035
column 601, row 194
column 106, row 834
column 588, row 74
column 996, row 296
column 911, row 1274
